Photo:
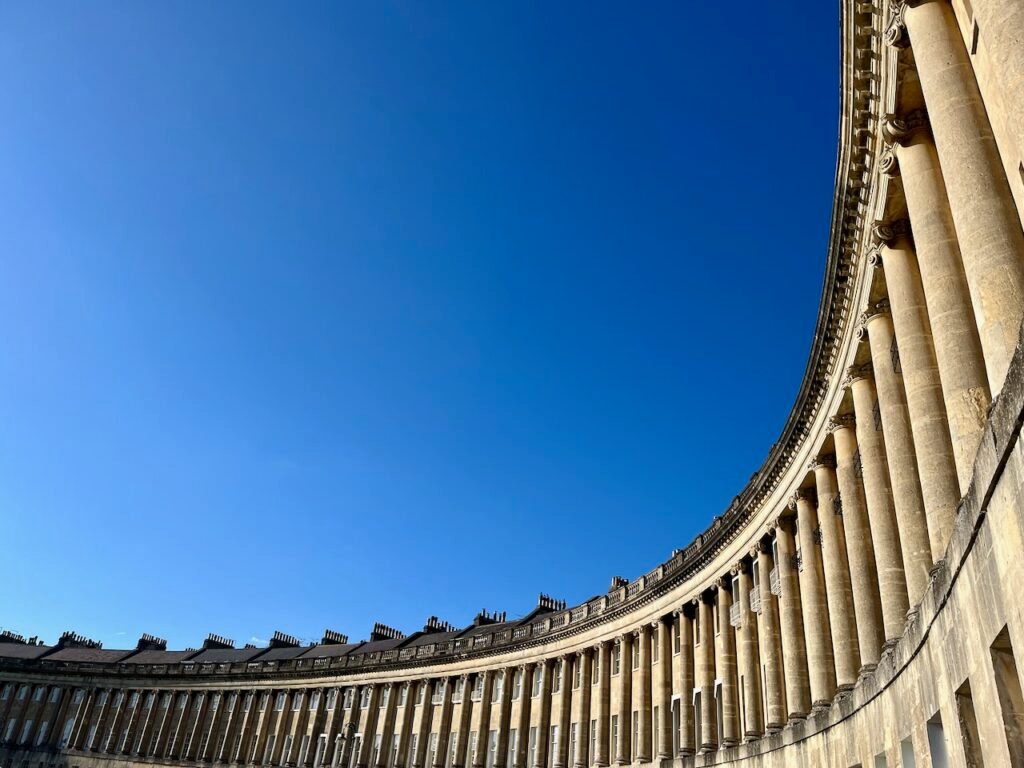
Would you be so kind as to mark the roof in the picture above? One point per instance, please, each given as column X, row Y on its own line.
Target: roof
column 376, row 646
column 486, row 629
column 226, row 655
column 158, row 657
column 22, row 651
column 330, row 651
column 86, row 655
column 426, row 638
column 281, row 654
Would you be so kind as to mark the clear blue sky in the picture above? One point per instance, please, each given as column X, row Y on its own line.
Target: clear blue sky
column 320, row 315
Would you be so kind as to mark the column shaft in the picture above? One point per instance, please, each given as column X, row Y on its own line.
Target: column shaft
column 770, row 643
column 747, row 651
column 794, row 651
column 817, row 627
column 663, row 688
column 705, row 669
column 604, row 704
column 839, row 590
column 583, row 758
column 954, row 331
column 892, row 584
column 725, row 668
column 685, row 681
column 901, row 454
column 623, row 749
column 987, row 225
column 562, row 756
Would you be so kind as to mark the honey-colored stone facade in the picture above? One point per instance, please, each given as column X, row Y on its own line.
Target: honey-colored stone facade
column 860, row 603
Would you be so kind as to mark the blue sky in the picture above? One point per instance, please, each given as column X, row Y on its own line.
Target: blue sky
column 316, row 315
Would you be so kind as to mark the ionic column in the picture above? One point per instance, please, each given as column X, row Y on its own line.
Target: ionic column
column 940, row 489
column 817, row 628
column 1002, row 31
column 405, row 734
column 623, row 754
column 725, row 666
column 444, row 729
column 860, row 552
column 704, row 653
column 839, row 591
column 388, row 733
column 546, row 670
column 899, row 447
column 562, row 756
column 750, row 667
column 954, row 331
column 663, row 687
column 685, row 680
column 892, row 584
column 644, row 699
column 423, row 724
column 769, row 637
column 482, row 714
column 987, row 225
column 523, row 725
column 604, row 703
column 794, row 651
column 581, row 703
column 505, row 717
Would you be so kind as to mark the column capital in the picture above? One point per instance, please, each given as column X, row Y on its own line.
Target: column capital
column 896, row 30
column 898, row 128
column 856, row 373
column 888, row 163
column 887, row 232
column 828, row 461
column 801, row 494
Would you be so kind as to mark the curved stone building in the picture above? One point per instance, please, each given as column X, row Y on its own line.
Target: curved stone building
column 858, row 604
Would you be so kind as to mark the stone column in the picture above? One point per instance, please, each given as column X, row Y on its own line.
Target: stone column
column 546, row 670
column 604, row 702
column 562, row 756
column 623, row 751
column 794, row 651
column 940, row 489
column 523, row 725
column 867, row 606
column 902, row 457
column 892, row 584
column 644, row 698
column 388, row 733
column 839, row 591
column 483, row 717
column 505, row 717
column 817, row 627
column 408, row 717
column 1002, row 30
column 465, row 722
column 954, row 331
column 987, row 225
column 685, row 680
column 581, row 701
column 423, row 724
column 750, row 666
column 363, row 759
column 704, row 653
column 725, row 667
column 769, row 637
column 663, row 687
column 444, row 728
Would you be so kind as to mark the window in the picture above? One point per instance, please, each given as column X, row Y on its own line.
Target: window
column 394, row 751
column 412, row 748
column 5, row 693
column 332, row 699
column 538, row 679
column 279, row 702
column 25, row 728
column 471, row 752
column 431, row 749
column 577, row 672
column 421, row 693
column 595, row 671
column 556, row 681
column 314, row 701
column 616, row 659
column 460, row 686
column 636, row 653
column 615, row 730
column 385, row 696
column 403, row 695
column 263, row 701
column 23, row 692
column 492, row 748
column 453, row 742
column 376, row 749
column 714, row 615
column 364, row 698
column 654, row 732
column 438, row 696
column 347, row 703
column 478, row 688
column 696, row 626
column 654, row 649
column 44, row 727
column 496, row 689
column 552, row 744
column 677, row 627
column 593, row 741
column 101, row 699
column 297, row 701
column 54, row 695
column 572, row 742
column 321, row 748
column 531, row 748
column 37, row 694
column 517, row 683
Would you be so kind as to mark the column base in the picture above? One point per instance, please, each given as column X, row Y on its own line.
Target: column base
column 796, row 717
column 821, row 705
column 865, row 670
column 729, row 743
column 888, row 645
column 773, row 728
column 750, row 736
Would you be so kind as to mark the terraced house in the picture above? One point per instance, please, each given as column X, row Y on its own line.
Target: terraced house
column 858, row 604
